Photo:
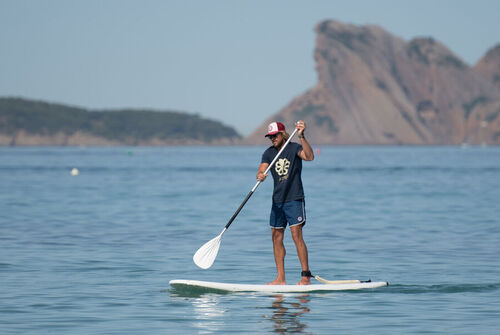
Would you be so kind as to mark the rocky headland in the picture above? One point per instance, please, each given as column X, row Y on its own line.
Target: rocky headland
column 376, row 88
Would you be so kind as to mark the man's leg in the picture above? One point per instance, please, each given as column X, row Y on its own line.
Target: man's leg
column 301, row 252
column 279, row 255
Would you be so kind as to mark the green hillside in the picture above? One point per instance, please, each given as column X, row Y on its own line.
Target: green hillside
column 46, row 119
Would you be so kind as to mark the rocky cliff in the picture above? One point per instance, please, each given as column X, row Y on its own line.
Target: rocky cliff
column 376, row 88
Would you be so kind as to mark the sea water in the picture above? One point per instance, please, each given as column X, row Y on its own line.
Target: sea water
column 92, row 253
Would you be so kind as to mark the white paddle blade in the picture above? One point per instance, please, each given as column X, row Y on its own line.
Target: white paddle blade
column 205, row 256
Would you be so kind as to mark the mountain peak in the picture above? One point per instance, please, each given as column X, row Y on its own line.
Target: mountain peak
column 429, row 51
column 489, row 66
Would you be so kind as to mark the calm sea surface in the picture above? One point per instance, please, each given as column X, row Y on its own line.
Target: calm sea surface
column 93, row 253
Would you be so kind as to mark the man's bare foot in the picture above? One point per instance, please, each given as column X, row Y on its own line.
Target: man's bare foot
column 277, row 282
column 305, row 281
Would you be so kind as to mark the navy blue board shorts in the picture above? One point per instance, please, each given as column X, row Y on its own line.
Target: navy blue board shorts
column 290, row 212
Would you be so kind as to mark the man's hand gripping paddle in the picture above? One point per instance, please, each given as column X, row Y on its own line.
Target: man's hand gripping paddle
column 205, row 256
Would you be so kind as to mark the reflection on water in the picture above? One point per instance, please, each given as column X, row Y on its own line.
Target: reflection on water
column 287, row 312
column 208, row 314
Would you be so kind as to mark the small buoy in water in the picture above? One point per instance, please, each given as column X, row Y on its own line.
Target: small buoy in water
column 75, row 172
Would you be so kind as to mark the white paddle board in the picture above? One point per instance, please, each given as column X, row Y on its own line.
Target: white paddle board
column 232, row 287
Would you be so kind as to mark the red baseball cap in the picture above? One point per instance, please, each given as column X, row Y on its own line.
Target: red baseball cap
column 274, row 128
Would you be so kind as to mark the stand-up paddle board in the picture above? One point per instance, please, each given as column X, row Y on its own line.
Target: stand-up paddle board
column 232, row 287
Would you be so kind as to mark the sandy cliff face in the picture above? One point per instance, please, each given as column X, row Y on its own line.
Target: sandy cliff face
column 376, row 88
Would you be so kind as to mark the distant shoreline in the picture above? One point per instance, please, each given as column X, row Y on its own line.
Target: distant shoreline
column 25, row 122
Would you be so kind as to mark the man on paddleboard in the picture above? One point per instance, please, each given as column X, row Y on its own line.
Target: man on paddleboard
column 288, row 195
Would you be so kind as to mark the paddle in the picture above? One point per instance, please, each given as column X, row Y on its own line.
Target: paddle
column 205, row 256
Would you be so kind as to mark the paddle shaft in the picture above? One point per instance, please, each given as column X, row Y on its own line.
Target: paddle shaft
column 258, row 182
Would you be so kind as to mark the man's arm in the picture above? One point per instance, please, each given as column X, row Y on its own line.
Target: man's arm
column 260, row 174
column 306, row 153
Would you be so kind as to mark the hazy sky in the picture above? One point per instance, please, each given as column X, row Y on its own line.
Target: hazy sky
column 238, row 62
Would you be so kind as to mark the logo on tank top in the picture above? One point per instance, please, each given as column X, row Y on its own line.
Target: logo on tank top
column 281, row 168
